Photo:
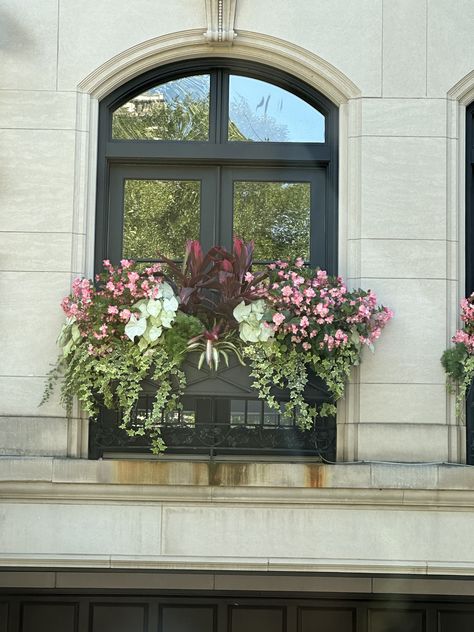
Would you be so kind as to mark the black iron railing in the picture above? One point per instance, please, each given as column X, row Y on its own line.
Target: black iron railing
column 183, row 435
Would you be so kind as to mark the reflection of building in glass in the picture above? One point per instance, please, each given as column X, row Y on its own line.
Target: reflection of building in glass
column 143, row 103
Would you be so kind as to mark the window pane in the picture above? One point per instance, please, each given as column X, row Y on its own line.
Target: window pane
column 275, row 215
column 159, row 216
column 260, row 111
column 176, row 110
column 237, row 411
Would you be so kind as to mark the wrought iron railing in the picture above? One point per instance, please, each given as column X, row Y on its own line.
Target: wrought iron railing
column 259, row 435
column 221, row 415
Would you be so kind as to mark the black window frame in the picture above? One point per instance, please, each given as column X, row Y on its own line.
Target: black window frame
column 469, row 254
column 115, row 156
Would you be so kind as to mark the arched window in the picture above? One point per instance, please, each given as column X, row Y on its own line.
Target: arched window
column 211, row 149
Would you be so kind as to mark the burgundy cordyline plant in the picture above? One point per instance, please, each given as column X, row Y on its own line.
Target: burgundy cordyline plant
column 136, row 323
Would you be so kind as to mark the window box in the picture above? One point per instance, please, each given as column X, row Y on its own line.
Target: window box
column 221, row 416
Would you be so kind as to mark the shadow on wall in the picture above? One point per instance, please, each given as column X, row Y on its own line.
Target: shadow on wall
column 13, row 35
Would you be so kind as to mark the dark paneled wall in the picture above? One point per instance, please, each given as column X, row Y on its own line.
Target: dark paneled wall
column 21, row 613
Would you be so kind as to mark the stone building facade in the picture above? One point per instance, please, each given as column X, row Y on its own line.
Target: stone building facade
column 379, row 540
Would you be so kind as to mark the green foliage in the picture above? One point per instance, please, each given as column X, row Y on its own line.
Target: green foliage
column 453, row 360
column 459, row 367
column 176, row 339
column 274, row 365
column 334, row 369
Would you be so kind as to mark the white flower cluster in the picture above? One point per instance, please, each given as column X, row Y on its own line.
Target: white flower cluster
column 253, row 326
column 155, row 313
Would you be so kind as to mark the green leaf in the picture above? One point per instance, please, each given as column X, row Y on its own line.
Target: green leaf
column 242, row 311
column 153, row 307
column 135, row 327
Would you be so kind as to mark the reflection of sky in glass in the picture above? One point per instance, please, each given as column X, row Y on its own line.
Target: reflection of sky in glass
column 261, row 111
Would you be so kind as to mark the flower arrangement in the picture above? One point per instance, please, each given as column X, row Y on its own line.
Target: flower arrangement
column 458, row 361
column 135, row 323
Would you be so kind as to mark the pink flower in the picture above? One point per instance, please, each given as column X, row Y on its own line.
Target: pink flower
column 112, row 309
column 125, row 314
column 304, row 322
column 299, row 263
column 249, row 277
column 278, row 318
column 126, row 263
column 287, row 291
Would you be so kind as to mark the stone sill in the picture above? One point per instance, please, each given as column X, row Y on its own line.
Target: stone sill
column 238, row 478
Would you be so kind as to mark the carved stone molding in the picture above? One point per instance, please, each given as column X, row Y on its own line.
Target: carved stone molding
column 220, row 21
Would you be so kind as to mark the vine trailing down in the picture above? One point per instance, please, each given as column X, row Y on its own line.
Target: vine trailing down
column 136, row 323
column 458, row 361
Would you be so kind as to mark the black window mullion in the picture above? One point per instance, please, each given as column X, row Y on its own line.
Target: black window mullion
column 202, row 151
column 209, row 209
column 224, row 110
column 115, row 217
column 318, row 247
column 214, row 107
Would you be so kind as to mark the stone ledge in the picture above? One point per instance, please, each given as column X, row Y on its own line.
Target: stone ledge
column 415, row 573
column 428, row 486
column 236, row 474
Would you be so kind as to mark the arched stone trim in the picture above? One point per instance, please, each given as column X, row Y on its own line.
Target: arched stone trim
column 463, row 90
column 248, row 46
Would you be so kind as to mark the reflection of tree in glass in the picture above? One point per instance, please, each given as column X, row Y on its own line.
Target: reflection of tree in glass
column 177, row 110
column 159, row 216
column 275, row 215
column 246, row 124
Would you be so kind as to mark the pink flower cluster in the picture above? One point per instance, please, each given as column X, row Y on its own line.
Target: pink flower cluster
column 317, row 312
column 101, row 311
column 465, row 336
